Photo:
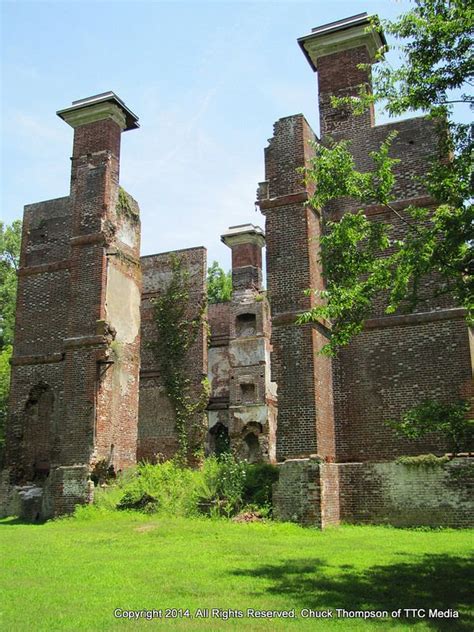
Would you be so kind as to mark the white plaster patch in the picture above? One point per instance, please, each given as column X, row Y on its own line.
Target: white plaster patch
column 122, row 304
column 127, row 234
column 247, row 352
column 256, row 414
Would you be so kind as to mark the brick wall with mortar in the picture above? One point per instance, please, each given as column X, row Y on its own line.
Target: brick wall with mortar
column 157, row 435
column 307, row 492
column 218, row 315
column 305, row 412
column 396, row 362
column 74, row 391
column 408, row 495
column 322, row 494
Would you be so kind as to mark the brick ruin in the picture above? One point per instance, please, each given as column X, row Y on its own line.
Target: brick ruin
column 86, row 388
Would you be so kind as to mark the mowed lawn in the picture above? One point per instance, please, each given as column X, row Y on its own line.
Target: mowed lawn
column 71, row 574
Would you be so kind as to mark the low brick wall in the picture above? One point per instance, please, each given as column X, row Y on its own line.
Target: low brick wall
column 321, row 494
column 307, row 493
column 408, row 495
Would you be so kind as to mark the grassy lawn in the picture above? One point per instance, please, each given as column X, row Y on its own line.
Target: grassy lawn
column 71, row 574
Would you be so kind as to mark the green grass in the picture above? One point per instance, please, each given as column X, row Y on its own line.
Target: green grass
column 71, row 574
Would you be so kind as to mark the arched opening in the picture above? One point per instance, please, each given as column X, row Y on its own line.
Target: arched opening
column 38, row 435
column 253, row 448
column 246, row 325
column 219, row 442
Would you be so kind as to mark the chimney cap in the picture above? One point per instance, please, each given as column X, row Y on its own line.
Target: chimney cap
column 243, row 233
column 131, row 119
column 332, row 36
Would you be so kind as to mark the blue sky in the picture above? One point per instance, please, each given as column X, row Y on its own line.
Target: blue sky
column 207, row 80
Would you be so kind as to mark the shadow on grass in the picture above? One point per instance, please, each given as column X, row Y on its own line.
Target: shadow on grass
column 13, row 520
column 439, row 582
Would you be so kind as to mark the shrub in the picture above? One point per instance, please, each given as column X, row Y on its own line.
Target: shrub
column 222, row 486
column 423, row 460
column 166, row 487
column 259, row 483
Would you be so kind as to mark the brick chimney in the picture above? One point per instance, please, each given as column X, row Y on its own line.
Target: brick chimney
column 101, row 378
column 246, row 242
column 335, row 51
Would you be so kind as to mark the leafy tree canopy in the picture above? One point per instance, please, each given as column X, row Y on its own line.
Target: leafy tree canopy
column 436, row 72
column 219, row 284
column 10, row 237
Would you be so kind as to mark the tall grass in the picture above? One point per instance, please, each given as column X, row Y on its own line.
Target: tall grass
column 221, row 486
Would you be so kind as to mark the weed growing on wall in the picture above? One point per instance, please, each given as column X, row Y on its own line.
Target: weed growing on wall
column 124, row 206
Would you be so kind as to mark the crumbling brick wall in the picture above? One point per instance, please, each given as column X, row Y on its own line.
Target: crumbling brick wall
column 407, row 495
column 400, row 360
column 73, row 400
column 157, row 435
column 304, row 378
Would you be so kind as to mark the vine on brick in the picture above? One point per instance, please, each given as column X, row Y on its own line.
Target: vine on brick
column 177, row 332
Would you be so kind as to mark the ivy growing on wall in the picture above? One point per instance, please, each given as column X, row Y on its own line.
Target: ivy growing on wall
column 177, row 331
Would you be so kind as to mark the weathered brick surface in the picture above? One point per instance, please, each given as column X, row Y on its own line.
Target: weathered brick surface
column 219, row 322
column 321, row 494
column 74, row 395
column 305, row 416
column 388, row 369
column 384, row 372
column 307, row 492
column 297, row 494
column 243, row 398
column 398, row 360
column 340, row 75
column 157, row 436
column 408, row 495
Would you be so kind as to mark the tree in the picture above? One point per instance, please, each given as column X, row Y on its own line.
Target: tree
column 447, row 419
column 10, row 238
column 219, row 284
column 437, row 65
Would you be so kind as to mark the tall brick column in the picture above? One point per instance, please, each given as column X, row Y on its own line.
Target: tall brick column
column 102, row 343
column 337, row 50
column 305, row 417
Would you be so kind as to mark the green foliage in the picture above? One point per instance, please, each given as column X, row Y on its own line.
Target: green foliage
column 177, row 332
column 437, row 59
column 423, row 460
column 10, row 240
column 219, row 284
column 259, row 483
column 167, row 488
column 437, row 49
column 5, row 355
column 124, row 207
column 431, row 416
column 221, row 486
